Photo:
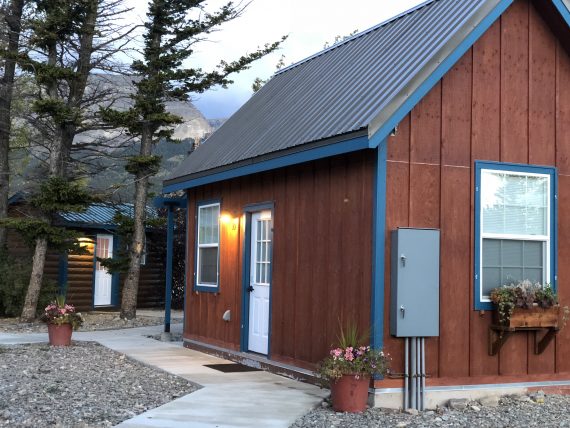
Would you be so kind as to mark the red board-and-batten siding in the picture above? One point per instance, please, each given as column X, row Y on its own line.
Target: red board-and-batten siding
column 508, row 100
column 321, row 256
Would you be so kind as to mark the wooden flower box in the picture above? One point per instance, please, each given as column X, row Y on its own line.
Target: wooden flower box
column 532, row 317
column 535, row 319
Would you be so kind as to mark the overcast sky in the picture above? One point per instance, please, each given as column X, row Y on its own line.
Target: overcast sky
column 309, row 24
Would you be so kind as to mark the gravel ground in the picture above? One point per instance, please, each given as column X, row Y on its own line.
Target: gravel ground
column 535, row 410
column 93, row 321
column 84, row 385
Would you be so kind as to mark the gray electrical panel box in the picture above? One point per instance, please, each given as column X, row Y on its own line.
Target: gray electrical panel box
column 414, row 283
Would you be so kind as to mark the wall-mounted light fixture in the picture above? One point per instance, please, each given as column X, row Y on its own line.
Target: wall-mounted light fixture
column 230, row 220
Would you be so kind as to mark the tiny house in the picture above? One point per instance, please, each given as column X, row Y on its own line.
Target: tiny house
column 453, row 117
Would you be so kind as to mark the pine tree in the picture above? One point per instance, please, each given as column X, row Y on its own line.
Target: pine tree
column 12, row 22
column 69, row 40
column 163, row 75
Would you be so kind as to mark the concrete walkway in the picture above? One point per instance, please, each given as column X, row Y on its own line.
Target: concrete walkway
column 244, row 399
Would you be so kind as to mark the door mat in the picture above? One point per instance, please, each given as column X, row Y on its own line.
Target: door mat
column 231, row 368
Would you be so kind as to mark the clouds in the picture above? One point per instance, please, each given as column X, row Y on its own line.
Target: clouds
column 309, row 24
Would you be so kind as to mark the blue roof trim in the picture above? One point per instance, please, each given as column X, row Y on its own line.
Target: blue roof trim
column 561, row 7
column 343, row 147
column 388, row 126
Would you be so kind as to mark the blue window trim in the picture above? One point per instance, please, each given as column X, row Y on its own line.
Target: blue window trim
column 512, row 167
column 249, row 210
column 197, row 287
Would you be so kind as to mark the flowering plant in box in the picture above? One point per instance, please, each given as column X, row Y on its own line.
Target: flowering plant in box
column 354, row 358
column 58, row 313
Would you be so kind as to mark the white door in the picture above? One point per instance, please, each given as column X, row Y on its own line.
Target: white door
column 259, row 282
column 103, row 279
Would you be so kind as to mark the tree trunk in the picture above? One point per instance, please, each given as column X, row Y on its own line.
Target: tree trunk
column 14, row 24
column 33, row 293
column 131, row 286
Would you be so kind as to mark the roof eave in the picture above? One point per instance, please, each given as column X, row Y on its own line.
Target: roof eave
column 354, row 141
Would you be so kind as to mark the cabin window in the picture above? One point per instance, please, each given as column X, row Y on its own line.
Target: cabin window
column 207, row 251
column 515, row 227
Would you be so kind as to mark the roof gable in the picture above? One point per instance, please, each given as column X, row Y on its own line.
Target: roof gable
column 364, row 85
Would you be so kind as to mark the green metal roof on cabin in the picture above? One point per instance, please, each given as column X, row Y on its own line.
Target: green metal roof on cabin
column 355, row 87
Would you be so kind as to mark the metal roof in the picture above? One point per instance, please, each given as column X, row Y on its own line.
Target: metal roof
column 348, row 87
column 101, row 214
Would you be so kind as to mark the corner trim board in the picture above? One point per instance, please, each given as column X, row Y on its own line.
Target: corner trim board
column 378, row 246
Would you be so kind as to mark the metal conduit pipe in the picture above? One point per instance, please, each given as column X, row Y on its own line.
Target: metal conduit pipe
column 406, row 372
column 423, row 373
column 413, row 373
column 419, row 373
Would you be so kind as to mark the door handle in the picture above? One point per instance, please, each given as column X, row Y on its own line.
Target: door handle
column 250, row 289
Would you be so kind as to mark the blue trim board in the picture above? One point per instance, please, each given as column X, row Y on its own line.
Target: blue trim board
column 197, row 287
column 563, row 10
column 115, row 277
column 346, row 146
column 378, row 249
column 437, row 74
column 169, row 255
column 244, row 337
column 161, row 202
column 500, row 166
column 62, row 273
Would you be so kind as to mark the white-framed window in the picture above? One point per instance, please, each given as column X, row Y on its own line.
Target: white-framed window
column 515, row 227
column 207, row 246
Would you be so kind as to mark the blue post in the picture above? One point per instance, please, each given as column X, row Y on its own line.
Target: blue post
column 169, row 254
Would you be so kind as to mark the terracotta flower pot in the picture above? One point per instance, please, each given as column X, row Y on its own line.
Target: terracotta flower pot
column 350, row 394
column 60, row 335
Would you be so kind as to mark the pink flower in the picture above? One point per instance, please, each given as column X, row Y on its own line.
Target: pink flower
column 348, row 355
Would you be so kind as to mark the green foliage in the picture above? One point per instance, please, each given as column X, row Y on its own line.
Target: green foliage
column 170, row 35
column 523, row 294
column 353, row 356
column 58, row 312
column 145, row 165
column 32, row 229
column 58, row 194
column 349, row 335
column 14, row 279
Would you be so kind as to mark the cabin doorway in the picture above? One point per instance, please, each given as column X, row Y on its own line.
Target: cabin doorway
column 259, row 285
column 103, row 279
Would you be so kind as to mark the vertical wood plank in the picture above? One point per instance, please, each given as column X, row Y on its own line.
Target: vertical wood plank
column 542, row 92
column 514, row 85
column 563, row 338
column 303, row 303
column 336, row 221
column 486, row 109
column 456, row 113
column 455, row 273
column 562, row 110
column 278, row 272
column 425, row 132
column 399, row 145
column 291, row 246
column 397, row 214
column 321, row 261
